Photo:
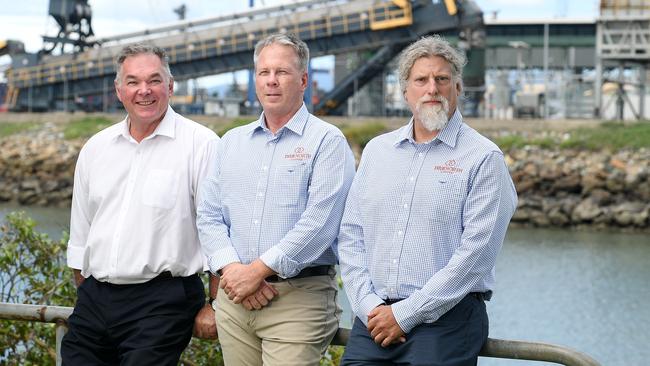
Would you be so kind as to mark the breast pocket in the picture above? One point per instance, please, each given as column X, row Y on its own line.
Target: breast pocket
column 448, row 198
column 290, row 182
column 160, row 189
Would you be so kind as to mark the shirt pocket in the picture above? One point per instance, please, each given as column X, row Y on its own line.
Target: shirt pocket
column 290, row 183
column 160, row 189
column 448, row 197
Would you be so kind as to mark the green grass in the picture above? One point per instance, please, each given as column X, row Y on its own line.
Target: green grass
column 235, row 123
column 85, row 127
column 11, row 128
column 612, row 135
column 361, row 134
column 609, row 135
column 517, row 142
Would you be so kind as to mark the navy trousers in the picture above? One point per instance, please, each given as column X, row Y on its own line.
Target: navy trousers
column 132, row 325
column 453, row 340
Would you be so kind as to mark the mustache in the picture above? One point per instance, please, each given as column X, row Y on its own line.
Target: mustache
column 435, row 98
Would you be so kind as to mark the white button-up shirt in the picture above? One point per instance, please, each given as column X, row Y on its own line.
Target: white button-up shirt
column 133, row 204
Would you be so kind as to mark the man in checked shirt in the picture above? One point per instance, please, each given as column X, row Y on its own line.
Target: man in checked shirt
column 424, row 221
column 270, row 216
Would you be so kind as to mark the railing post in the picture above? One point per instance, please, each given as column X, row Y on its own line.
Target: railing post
column 61, row 330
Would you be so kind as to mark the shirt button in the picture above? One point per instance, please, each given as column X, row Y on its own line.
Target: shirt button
column 421, row 154
column 394, row 260
column 255, row 222
column 260, row 194
column 265, row 168
column 400, row 233
column 406, row 205
column 412, row 179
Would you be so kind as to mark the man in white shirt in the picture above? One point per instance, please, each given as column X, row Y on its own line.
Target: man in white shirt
column 134, row 246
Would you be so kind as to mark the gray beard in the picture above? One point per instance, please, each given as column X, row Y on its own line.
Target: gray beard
column 434, row 118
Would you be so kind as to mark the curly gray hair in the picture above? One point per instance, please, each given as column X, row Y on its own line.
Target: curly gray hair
column 428, row 47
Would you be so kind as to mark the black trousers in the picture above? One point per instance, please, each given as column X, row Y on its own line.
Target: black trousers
column 132, row 325
column 453, row 340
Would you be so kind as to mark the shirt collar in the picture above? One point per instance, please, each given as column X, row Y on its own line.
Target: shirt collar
column 296, row 124
column 448, row 135
column 166, row 127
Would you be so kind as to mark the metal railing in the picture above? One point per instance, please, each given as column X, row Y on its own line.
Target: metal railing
column 497, row 348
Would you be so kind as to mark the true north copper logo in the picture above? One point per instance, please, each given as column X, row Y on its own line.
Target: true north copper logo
column 298, row 154
column 449, row 167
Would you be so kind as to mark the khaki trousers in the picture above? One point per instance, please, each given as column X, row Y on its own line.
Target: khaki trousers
column 294, row 329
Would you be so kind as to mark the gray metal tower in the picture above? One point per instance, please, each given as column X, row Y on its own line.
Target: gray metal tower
column 622, row 44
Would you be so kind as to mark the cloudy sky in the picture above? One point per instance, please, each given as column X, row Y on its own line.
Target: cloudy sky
column 28, row 20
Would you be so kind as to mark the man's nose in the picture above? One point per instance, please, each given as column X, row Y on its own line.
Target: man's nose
column 143, row 88
column 432, row 87
column 272, row 79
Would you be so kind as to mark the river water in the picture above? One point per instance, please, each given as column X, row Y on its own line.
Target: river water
column 589, row 291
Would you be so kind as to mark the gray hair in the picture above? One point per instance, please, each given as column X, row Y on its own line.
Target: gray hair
column 285, row 39
column 139, row 49
column 429, row 47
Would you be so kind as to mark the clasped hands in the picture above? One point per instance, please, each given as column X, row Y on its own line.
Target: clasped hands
column 244, row 284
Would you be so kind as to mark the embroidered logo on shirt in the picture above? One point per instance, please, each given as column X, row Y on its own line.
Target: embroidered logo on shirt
column 298, row 154
column 448, row 168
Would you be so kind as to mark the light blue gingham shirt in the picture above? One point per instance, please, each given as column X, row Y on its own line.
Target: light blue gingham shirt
column 424, row 222
column 277, row 197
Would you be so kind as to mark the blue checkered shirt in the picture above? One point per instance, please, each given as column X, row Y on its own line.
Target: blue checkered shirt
column 424, row 222
column 277, row 197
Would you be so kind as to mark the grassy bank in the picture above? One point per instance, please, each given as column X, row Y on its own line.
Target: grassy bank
column 609, row 135
column 507, row 134
column 11, row 128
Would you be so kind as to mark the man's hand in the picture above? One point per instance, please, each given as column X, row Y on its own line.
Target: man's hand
column 78, row 278
column 205, row 324
column 262, row 297
column 383, row 327
column 240, row 280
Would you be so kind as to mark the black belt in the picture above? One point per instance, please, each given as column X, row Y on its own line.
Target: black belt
column 163, row 276
column 167, row 275
column 323, row 270
column 483, row 296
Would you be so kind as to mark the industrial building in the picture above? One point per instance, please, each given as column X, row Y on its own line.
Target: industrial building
column 560, row 68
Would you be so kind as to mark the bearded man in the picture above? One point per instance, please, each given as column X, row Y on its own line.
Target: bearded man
column 424, row 221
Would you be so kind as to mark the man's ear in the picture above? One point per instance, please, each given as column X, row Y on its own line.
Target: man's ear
column 117, row 90
column 304, row 79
